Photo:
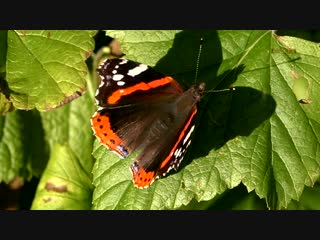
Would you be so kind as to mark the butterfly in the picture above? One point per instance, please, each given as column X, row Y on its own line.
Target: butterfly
column 142, row 109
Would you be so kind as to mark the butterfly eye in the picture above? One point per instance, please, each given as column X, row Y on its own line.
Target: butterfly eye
column 202, row 86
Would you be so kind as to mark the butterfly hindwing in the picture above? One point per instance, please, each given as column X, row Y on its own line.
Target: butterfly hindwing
column 163, row 153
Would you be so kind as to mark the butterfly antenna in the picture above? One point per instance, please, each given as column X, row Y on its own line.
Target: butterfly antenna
column 221, row 90
column 198, row 60
column 197, row 70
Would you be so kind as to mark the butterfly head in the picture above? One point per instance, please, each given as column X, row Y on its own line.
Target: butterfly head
column 201, row 87
column 198, row 90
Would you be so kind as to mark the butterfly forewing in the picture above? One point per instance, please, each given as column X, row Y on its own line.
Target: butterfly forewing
column 126, row 82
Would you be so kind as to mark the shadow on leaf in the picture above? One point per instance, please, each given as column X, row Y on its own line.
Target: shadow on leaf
column 227, row 116
column 181, row 60
column 221, row 116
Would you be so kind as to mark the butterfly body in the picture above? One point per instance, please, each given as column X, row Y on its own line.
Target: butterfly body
column 143, row 109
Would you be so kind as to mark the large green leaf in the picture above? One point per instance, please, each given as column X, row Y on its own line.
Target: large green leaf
column 34, row 67
column 66, row 181
column 44, row 69
column 264, row 134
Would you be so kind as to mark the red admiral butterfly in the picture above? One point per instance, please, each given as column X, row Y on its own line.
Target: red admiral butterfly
column 143, row 109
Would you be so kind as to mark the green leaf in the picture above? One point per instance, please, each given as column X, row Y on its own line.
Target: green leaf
column 309, row 199
column 66, row 181
column 22, row 147
column 5, row 104
column 154, row 46
column 261, row 134
column 237, row 198
column 3, row 49
column 64, row 184
column 44, row 68
column 11, row 152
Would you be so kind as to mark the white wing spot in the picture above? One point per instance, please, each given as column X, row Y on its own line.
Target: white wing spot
column 116, row 66
column 188, row 144
column 188, row 135
column 101, row 84
column 177, row 153
column 117, row 77
column 137, row 70
column 97, row 92
column 124, row 61
column 114, row 71
column 120, row 83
